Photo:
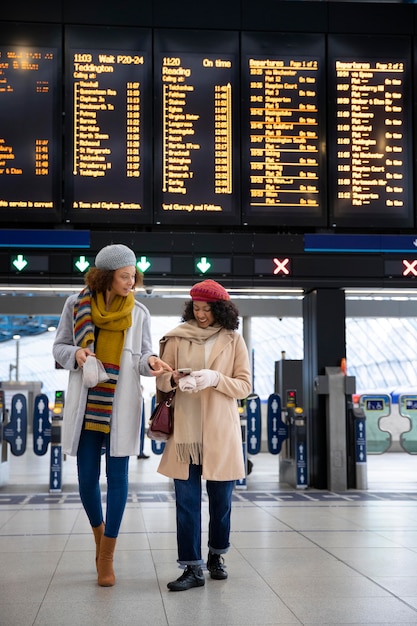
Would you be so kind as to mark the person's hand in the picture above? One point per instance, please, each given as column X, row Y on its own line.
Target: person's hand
column 158, row 366
column 187, row 383
column 81, row 356
column 206, row 378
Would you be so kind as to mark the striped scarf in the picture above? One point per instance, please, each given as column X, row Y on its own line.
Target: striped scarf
column 90, row 313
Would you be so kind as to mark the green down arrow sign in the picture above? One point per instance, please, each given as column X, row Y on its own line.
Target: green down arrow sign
column 20, row 262
column 82, row 264
column 203, row 265
column 143, row 264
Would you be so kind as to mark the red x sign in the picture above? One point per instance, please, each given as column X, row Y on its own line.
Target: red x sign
column 282, row 266
column 410, row 267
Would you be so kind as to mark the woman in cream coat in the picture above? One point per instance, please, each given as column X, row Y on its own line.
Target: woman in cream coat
column 207, row 440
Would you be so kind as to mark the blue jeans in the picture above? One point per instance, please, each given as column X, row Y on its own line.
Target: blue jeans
column 188, row 506
column 88, row 463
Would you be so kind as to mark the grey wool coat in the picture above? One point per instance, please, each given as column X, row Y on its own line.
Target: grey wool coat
column 127, row 404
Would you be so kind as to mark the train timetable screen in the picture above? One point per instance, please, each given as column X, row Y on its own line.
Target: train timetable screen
column 370, row 143
column 196, row 138
column 109, row 135
column 28, row 131
column 283, row 125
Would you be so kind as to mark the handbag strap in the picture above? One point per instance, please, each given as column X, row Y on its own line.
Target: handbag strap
column 170, row 397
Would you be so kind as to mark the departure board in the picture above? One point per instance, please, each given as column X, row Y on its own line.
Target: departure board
column 196, row 127
column 283, row 129
column 29, row 125
column 108, row 116
column 370, row 137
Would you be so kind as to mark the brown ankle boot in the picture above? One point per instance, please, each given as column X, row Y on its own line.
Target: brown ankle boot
column 98, row 533
column 105, row 571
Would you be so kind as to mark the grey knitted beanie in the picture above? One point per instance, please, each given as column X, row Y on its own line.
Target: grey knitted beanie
column 114, row 257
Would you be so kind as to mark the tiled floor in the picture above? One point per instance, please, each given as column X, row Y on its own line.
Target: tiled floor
column 297, row 556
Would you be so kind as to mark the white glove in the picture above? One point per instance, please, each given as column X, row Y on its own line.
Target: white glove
column 206, row 378
column 187, row 383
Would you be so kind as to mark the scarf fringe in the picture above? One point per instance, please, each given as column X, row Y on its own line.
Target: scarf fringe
column 189, row 453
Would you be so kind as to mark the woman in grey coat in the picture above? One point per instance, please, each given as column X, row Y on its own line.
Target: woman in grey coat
column 105, row 321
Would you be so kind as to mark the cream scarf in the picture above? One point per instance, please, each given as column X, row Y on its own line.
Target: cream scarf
column 188, row 435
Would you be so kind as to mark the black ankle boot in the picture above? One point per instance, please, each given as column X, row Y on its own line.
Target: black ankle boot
column 215, row 565
column 192, row 577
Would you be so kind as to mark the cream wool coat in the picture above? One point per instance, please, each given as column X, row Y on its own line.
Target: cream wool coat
column 127, row 403
column 222, row 435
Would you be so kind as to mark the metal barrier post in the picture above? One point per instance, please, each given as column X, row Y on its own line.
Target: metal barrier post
column 293, row 467
column 360, row 448
column 55, row 475
column 336, row 385
column 241, row 484
column 4, row 463
column 300, row 447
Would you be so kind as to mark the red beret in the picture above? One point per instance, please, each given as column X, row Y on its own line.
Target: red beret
column 209, row 291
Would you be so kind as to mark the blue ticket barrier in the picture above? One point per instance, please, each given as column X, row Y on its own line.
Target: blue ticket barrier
column 253, row 417
column 375, row 407
column 4, row 464
column 41, row 425
column 407, row 407
column 360, row 449
column 157, row 446
column 277, row 429
column 55, row 473
column 299, row 439
column 15, row 431
column 293, row 466
column 241, row 483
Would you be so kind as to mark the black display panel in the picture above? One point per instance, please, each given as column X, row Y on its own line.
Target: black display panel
column 283, row 129
column 108, row 106
column 196, row 82
column 370, row 138
column 30, row 124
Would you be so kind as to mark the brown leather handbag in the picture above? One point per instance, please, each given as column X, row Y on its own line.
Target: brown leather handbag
column 161, row 422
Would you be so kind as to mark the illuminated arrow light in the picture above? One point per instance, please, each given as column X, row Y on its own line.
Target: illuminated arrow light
column 410, row 267
column 20, row 262
column 143, row 264
column 281, row 266
column 203, row 265
column 82, row 264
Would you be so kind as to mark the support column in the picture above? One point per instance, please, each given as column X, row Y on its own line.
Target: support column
column 324, row 314
column 247, row 336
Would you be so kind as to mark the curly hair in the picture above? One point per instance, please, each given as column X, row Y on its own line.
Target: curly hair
column 101, row 280
column 224, row 312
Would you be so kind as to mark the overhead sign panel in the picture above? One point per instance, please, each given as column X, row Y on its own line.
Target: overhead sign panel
column 370, row 143
column 318, row 242
column 109, row 133
column 283, row 129
column 196, row 127
column 37, row 238
column 30, row 133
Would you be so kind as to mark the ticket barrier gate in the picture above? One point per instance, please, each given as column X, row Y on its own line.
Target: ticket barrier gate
column 241, row 483
column 14, row 433
column 293, row 468
column 356, row 437
column 55, row 473
column 376, row 407
column 337, row 387
column 4, row 464
column 407, row 407
column 47, row 432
